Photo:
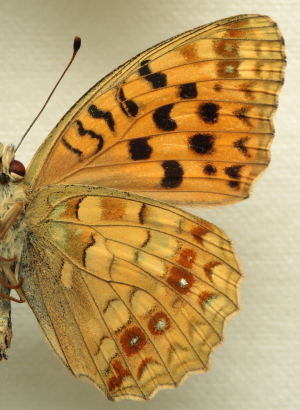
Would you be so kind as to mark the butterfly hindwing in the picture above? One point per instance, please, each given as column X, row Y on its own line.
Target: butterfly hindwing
column 187, row 121
column 131, row 293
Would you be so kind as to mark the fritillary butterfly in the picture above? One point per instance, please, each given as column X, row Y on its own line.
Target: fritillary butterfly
column 132, row 293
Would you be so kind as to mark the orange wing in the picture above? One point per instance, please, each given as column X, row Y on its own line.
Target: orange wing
column 132, row 294
column 187, row 121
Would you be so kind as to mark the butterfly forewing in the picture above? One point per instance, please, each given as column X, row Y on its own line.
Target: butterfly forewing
column 188, row 121
column 131, row 293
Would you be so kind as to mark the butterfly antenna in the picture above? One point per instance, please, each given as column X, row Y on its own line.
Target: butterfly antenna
column 76, row 47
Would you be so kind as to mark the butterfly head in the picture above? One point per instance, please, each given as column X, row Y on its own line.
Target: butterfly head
column 11, row 169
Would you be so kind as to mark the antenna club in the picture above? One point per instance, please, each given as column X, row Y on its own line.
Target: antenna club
column 76, row 47
column 77, row 44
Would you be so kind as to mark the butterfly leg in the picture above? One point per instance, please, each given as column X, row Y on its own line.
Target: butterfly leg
column 5, row 224
column 14, row 284
column 9, row 218
column 5, row 296
column 9, row 286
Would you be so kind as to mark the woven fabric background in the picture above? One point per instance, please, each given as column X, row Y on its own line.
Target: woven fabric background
column 258, row 366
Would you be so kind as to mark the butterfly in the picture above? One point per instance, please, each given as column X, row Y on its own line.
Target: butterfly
column 131, row 292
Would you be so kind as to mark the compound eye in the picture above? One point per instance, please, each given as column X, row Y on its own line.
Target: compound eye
column 16, row 167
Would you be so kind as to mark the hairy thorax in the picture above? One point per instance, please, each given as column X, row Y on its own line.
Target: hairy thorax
column 12, row 190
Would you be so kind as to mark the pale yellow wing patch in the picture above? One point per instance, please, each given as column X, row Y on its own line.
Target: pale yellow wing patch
column 187, row 121
column 132, row 294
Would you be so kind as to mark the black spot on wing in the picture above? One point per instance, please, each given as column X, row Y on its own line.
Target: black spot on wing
column 132, row 108
column 72, row 149
column 241, row 114
column 157, row 80
column 162, row 119
column 147, row 240
column 240, row 145
column 85, row 250
column 129, row 107
column 109, row 302
column 209, row 113
column 209, row 169
column 95, row 112
column 140, row 149
column 173, row 174
column 218, row 87
column 144, row 69
column 82, row 131
column 121, row 94
column 202, row 143
column 78, row 207
column 188, row 91
column 234, row 171
column 234, row 184
column 142, row 214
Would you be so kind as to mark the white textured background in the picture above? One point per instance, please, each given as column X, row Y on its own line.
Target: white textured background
column 258, row 366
